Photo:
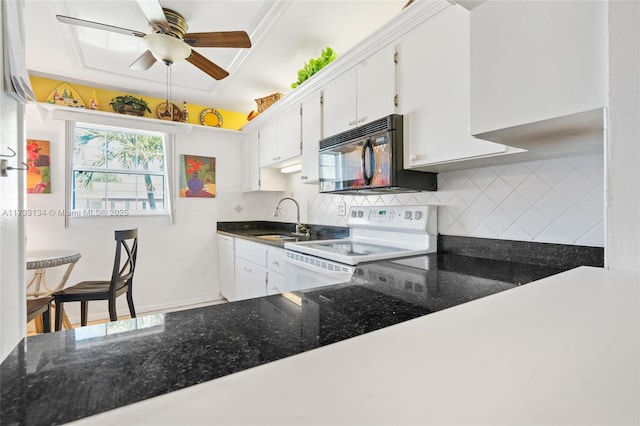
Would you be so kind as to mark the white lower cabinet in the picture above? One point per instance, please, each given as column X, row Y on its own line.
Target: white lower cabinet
column 226, row 266
column 259, row 270
column 251, row 279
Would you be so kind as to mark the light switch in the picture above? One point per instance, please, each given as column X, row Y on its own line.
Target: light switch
column 342, row 208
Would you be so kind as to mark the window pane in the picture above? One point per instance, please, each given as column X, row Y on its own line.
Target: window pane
column 133, row 163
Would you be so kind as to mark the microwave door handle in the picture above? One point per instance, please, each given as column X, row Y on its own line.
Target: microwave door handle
column 367, row 147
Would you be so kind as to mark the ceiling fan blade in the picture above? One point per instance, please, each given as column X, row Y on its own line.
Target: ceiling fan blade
column 207, row 66
column 144, row 62
column 218, row 39
column 155, row 15
column 98, row 26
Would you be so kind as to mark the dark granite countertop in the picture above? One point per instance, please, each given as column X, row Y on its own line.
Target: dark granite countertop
column 252, row 230
column 59, row 377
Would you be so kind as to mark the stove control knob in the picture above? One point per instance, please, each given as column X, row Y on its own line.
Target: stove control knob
column 417, row 215
column 407, row 215
column 354, row 213
column 360, row 213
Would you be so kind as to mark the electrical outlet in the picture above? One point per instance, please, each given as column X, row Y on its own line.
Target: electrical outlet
column 342, row 208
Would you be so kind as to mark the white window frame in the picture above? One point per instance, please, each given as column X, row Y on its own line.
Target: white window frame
column 126, row 122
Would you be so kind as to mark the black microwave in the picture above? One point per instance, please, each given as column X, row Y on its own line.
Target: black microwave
column 369, row 159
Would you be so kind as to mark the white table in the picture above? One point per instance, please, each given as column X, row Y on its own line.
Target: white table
column 39, row 261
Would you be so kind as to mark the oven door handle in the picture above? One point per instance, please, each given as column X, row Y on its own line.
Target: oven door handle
column 368, row 147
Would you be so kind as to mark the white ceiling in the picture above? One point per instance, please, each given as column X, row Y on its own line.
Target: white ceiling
column 284, row 35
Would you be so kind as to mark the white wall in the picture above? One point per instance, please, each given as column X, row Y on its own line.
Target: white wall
column 12, row 194
column 177, row 263
column 623, row 145
column 554, row 201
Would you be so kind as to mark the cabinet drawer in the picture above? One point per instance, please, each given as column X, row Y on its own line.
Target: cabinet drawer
column 253, row 252
column 275, row 260
column 275, row 283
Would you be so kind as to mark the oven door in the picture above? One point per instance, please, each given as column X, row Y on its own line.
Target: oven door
column 302, row 271
column 358, row 164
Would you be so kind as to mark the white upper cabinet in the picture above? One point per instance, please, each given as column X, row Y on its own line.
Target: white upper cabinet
column 280, row 138
column 289, row 134
column 255, row 178
column 433, row 67
column 362, row 94
column 533, row 61
column 311, row 135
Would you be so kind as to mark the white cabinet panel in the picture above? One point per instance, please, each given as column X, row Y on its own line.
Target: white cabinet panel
column 376, row 83
column 289, row 134
column 255, row 178
column 251, row 280
column 253, row 252
column 362, row 94
column 280, row 138
column 275, row 283
column 268, row 143
column 434, row 99
column 226, row 266
column 311, row 135
column 339, row 104
column 536, row 60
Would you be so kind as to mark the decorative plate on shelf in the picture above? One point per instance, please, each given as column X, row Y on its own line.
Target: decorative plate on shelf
column 210, row 117
column 164, row 112
column 66, row 95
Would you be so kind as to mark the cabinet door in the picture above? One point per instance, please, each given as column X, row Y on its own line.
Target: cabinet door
column 434, row 100
column 275, row 260
column 275, row 283
column 249, row 161
column 251, row 280
column 311, row 135
column 289, row 134
column 376, row 86
column 268, row 143
column 536, row 60
column 339, row 104
column 226, row 267
column 253, row 252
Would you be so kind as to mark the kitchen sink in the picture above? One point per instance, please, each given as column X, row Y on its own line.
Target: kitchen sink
column 277, row 237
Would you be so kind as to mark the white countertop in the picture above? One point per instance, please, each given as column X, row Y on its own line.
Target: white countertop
column 562, row 350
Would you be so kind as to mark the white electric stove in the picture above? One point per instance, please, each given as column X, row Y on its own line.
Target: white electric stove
column 376, row 233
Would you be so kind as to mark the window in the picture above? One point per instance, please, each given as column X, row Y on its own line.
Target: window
column 117, row 169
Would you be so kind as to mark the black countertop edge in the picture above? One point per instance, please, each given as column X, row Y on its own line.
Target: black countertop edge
column 249, row 230
column 563, row 256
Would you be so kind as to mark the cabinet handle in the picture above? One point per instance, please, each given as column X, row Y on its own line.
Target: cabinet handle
column 362, row 120
column 353, row 122
column 414, row 157
column 275, row 262
column 248, row 270
column 303, row 178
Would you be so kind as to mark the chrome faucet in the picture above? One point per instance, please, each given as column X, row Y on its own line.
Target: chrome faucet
column 300, row 229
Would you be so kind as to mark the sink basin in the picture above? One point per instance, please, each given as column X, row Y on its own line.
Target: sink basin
column 277, row 237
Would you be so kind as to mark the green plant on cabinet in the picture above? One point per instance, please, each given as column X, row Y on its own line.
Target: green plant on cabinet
column 314, row 65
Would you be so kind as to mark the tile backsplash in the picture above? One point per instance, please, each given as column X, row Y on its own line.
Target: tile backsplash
column 556, row 201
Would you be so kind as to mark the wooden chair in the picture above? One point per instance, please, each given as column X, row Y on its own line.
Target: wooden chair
column 121, row 282
column 40, row 306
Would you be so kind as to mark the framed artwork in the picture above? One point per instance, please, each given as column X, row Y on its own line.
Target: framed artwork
column 39, row 172
column 198, row 176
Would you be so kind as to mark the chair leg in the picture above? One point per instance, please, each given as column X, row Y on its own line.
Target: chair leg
column 132, row 310
column 112, row 310
column 46, row 320
column 59, row 310
column 84, row 311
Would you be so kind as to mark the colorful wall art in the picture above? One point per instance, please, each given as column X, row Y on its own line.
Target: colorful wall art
column 39, row 172
column 198, row 176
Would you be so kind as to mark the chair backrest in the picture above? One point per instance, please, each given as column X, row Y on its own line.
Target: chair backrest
column 125, row 261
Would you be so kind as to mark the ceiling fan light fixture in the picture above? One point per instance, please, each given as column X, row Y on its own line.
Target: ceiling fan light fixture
column 167, row 48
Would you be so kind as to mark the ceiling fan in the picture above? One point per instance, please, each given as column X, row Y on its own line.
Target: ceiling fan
column 169, row 42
